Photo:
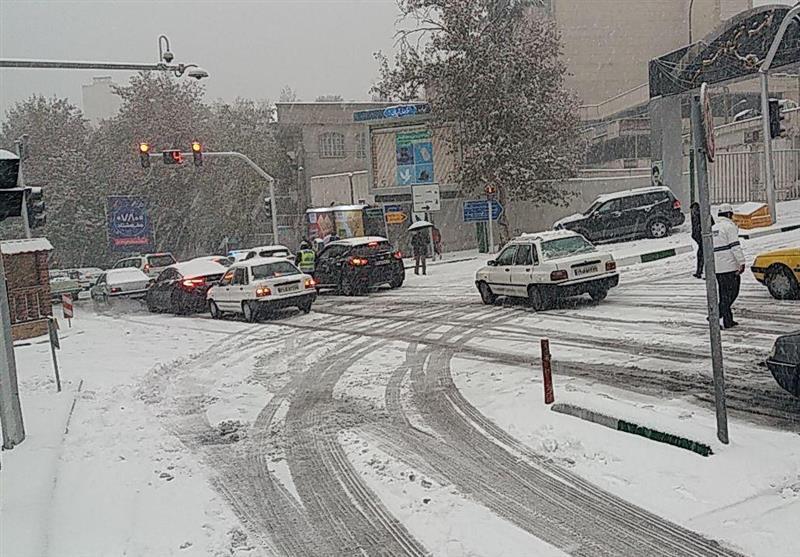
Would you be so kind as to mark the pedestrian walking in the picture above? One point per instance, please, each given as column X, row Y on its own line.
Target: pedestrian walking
column 729, row 261
column 697, row 236
column 436, row 236
column 419, row 247
column 305, row 259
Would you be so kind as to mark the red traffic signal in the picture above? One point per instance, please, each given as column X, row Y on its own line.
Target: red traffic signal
column 173, row 156
column 197, row 153
column 490, row 190
column 144, row 154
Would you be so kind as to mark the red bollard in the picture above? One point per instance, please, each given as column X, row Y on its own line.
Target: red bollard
column 547, row 373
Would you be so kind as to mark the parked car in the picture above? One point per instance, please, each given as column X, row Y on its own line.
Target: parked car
column 86, row 276
column 546, row 266
column 120, row 283
column 650, row 212
column 63, row 284
column 260, row 285
column 354, row 265
column 182, row 288
column 784, row 362
column 221, row 259
column 150, row 264
column 276, row 250
column 779, row 270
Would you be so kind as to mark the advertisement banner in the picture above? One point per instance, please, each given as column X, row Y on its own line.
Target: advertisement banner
column 129, row 228
column 349, row 222
column 414, row 151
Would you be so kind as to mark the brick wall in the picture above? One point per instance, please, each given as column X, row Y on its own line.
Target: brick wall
column 28, row 283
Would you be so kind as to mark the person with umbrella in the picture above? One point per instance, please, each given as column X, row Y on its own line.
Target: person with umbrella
column 420, row 240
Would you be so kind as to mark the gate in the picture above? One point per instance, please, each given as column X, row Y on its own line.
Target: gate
column 738, row 177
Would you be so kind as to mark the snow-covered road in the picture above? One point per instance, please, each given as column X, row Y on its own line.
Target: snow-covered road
column 410, row 422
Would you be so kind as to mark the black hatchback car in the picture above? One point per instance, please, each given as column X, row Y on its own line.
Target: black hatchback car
column 182, row 288
column 354, row 265
column 650, row 212
column 784, row 362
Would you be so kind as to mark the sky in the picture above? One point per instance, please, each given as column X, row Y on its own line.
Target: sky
column 250, row 48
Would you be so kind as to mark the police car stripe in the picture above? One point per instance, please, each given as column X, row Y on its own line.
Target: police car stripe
column 729, row 246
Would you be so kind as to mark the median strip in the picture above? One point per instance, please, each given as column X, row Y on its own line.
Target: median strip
column 652, row 256
column 775, row 230
column 629, row 427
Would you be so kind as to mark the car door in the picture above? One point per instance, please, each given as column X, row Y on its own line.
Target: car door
column 605, row 220
column 329, row 264
column 501, row 272
column 522, row 270
column 161, row 291
column 634, row 210
column 222, row 291
column 238, row 288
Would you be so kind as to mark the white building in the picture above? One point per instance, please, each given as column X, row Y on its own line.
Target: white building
column 99, row 101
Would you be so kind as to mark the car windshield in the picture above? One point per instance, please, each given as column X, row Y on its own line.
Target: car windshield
column 274, row 253
column 371, row 248
column 274, row 270
column 160, row 260
column 592, row 208
column 570, row 245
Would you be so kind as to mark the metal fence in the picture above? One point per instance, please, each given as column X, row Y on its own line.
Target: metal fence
column 740, row 177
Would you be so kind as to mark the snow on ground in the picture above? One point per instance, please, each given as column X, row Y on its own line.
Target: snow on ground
column 446, row 522
column 747, row 493
column 117, row 483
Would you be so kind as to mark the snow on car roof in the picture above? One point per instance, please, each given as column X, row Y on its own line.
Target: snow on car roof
column 125, row 274
column 198, row 268
column 626, row 193
column 547, row 235
column 360, row 241
column 13, row 247
column 274, row 247
column 258, row 261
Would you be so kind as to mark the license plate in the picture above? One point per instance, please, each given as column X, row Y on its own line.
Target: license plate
column 292, row 288
column 385, row 262
column 580, row 271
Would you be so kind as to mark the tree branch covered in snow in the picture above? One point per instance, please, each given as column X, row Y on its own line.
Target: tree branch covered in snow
column 493, row 67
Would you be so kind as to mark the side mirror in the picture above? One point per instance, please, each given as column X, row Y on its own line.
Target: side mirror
column 492, row 263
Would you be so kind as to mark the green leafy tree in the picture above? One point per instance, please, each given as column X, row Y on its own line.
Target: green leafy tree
column 494, row 68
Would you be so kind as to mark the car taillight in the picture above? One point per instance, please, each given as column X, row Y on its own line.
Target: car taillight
column 558, row 275
column 115, row 289
column 611, row 265
column 193, row 283
column 373, row 244
column 357, row 261
column 310, row 283
column 398, row 255
column 676, row 204
column 262, row 291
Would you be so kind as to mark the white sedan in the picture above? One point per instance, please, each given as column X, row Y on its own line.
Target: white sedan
column 545, row 266
column 259, row 285
column 120, row 283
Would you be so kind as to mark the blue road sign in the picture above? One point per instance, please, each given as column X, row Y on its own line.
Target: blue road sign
column 478, row 210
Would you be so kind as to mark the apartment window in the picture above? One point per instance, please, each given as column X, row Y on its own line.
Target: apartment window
column 361, row 145
column 331, row 145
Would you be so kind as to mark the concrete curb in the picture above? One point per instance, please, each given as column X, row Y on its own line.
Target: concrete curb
column 770, row 231
column 652, row 256
column 629, row 427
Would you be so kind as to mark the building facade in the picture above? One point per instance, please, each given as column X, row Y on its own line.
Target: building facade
column 99, row 101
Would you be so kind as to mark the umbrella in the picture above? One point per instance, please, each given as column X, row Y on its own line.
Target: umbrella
column 419, row 225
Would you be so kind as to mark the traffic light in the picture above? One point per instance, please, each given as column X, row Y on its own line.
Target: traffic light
column 490, row 190
column 37, row 216
column 173, row 156
column 197, row 153
column 268, row 207
column 144, row 154
column 775, row 119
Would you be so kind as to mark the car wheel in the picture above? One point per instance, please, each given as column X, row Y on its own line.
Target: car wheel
column 250, row 311
column 348, row 288
column 782, row 284
column 151, row 307
column 305, row 307
column 397, row 281
column 537, row 298
column 598, row 294
column 487, row 296
column 658, row 229
column 214, row 309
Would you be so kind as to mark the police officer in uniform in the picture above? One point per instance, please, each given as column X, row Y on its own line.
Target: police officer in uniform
column 305, row 258
column 729, row 262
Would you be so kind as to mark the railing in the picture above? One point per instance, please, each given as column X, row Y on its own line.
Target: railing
column 738, row 177
column 26, row 304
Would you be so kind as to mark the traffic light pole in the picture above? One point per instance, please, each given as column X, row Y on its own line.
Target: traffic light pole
column 10, row 407
column 260, row 171
column 769, row 168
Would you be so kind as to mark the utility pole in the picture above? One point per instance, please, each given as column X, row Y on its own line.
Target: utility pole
column 701, row 164
column 10, row 407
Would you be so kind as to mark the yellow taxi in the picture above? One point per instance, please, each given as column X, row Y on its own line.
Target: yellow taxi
column 779, row 270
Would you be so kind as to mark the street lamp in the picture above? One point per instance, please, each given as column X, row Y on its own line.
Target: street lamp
column 691, row 5
column 164, row 64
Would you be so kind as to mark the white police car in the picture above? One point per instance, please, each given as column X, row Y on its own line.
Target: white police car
column 545, row 266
